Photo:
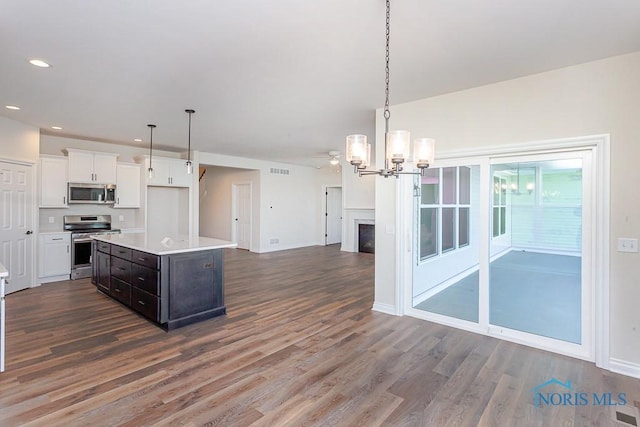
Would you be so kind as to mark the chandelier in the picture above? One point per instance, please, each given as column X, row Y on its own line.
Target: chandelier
column 397, row 143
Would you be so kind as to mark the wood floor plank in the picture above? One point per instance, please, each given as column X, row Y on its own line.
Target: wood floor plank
column 299, row 345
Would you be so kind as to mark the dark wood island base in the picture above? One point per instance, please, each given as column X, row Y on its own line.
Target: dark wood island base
column 172, row 290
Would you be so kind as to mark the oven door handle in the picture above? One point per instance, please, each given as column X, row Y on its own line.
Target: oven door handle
column 82, row 240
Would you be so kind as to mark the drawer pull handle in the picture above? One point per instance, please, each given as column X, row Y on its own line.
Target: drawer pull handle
column 141, row 279
column 140, row 302
column 121, row 269
column 58, row 238
column 117, row 290
column 142, row 259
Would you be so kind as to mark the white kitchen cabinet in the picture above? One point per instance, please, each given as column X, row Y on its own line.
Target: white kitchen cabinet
column 54, row 262
column 168, row 172
column 127, row 185
column 53, row 182
column 92, row 167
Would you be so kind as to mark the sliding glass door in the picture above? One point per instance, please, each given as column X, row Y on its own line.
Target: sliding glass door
column 535, row 278
column 503, row 248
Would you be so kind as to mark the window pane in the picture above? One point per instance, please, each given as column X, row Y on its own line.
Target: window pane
column 496, row 191
column 463, row 227
column 429, row 187
column 503, row 220
column 449, row 186
column 496, row 222
column 428, row 232
column 448, row 229
column 465, row 185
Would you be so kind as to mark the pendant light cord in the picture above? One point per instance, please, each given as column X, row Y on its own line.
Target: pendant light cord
column 387, row 113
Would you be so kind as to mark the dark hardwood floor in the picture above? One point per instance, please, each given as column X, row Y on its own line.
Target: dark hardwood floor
column 299, row 346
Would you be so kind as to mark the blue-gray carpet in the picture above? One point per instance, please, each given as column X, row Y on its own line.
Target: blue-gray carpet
column 528, row 291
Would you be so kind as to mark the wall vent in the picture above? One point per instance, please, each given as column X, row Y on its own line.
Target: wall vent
column 279, row 171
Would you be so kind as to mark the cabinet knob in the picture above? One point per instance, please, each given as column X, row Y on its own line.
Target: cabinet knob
column 29, row 232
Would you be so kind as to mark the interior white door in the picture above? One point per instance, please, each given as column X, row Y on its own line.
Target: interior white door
column 16, row 223
column 242, row 218
column 333, row 214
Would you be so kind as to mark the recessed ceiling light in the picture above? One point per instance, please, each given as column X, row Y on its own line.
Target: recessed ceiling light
column 137, row 140
column 39, row 63
column 56, row 127
column 11, row 107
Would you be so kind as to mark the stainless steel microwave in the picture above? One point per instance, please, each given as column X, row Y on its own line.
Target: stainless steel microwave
column 92, row 193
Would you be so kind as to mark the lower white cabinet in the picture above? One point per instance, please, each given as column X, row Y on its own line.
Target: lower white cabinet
column 54, row 257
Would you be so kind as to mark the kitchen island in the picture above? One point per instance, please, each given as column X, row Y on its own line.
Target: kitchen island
column 173, row 281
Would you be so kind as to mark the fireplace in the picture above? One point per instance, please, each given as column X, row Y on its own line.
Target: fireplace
column 366, row 238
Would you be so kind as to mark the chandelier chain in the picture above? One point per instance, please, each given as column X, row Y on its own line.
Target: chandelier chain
column 387, row 113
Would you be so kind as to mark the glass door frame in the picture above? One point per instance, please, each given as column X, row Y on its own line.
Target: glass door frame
column 594, row 346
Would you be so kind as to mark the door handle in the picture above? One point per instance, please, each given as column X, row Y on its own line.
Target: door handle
column 29, row 232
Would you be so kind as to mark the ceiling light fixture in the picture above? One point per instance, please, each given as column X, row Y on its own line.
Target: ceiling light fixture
column 137, row 140
column 39, row 63
column 397, row 143
column 56, row 127
column 150, row 170
column 189, row 164
column 11, row 107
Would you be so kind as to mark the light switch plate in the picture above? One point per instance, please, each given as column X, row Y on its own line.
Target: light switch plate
column 50, row 220
column 627, row 245
column 121, row 218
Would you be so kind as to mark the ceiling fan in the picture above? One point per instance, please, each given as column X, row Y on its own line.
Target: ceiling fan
column 333, row 157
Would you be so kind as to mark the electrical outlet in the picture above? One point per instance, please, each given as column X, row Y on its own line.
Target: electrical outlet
column 121, row 218
column 274, row 241
column 627, row 245
column 51, row 220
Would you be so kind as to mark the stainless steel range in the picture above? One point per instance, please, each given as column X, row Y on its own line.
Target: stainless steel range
column 82, row 227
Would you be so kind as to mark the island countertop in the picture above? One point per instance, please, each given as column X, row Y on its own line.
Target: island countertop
column 158, row 244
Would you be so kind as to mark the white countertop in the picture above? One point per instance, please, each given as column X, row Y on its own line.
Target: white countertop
column 164, row 245
column 43, row 233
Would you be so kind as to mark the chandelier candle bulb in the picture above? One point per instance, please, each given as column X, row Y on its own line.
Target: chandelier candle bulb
column 356, row 149
column 423, row 152
column 398, row 145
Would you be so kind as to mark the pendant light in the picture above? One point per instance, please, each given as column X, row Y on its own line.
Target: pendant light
column 397, row 143
column 150, row 170
column 189, row 164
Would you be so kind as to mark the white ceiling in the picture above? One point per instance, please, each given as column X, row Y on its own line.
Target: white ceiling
column 281, row 80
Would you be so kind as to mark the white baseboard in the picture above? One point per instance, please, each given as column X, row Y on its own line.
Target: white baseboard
column 625, row 368
column 384, row 308
column 278, row 247
column 53, row 278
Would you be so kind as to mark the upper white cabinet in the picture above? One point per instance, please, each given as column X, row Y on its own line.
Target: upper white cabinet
column 53, row 181
column 88, row 166
column 168, row 172
column 127, row 185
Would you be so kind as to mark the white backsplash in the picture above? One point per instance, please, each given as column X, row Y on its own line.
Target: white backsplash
column 131, row 218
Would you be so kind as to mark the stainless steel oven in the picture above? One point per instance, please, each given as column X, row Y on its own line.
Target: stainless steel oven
column 82, row 227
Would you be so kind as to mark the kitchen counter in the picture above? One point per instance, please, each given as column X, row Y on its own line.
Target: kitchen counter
column 164, row 245
column 172, row 281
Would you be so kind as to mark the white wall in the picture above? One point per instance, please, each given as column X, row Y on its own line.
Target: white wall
column 19, row 141
column 216, row 205
column 601, row 97
column 55, row 145
column 288, row 204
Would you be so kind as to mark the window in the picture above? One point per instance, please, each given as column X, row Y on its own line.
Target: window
column 499, row 227
column 445, row 199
